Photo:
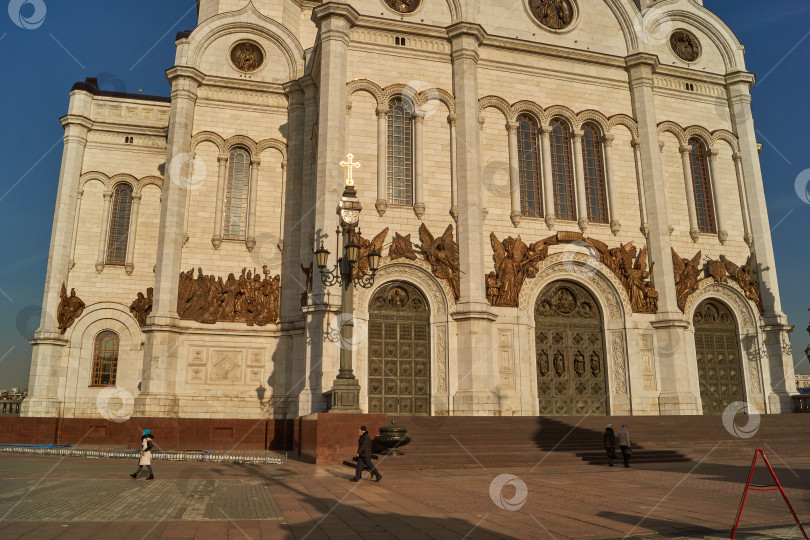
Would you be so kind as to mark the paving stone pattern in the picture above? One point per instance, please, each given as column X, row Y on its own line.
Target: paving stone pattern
column 67, row 500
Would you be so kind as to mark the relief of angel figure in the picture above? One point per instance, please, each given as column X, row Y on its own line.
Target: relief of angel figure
column 514, row 262
column 745, row 278
column 687, row 276
column 442, row 254
column 361, row 268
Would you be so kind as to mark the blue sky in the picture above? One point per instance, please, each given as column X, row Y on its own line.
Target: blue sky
column 128, row 46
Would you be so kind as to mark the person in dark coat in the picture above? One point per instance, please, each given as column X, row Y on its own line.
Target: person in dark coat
column 364, row 456
column 624, row 444
column 609, row 439
column 146, row 455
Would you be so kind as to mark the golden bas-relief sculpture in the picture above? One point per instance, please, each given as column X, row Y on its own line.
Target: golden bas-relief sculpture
column 142, row 306
column 688, row 276
column 248, row 298
column 685, row 45
column 247, row 56
column 402, row 248
column 554, row 14
column 70, row 308
column 403, row 6
column 514, row 262
column 442, row 254
column 361, row 268
column 632, row 271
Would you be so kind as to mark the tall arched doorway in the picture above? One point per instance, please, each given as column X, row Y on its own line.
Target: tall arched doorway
column 718, row 358
column 571, row 378
column 399, row 351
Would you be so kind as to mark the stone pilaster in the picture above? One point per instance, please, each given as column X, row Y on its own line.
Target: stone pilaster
column 334, row 21
column 219, row 207
column 548, row 177
column 104, row 230
column 133, row 231
column 514, row 173
column 477, row 366
column 610, row 179
column 779, row 374
column 677, row 370
column 382, row 162
column 46, row 381
column 160, row 358
column 418, row 166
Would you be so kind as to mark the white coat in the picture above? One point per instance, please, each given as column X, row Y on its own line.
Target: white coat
column 146, row 455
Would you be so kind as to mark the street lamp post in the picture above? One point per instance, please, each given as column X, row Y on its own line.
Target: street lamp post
column 345, row 394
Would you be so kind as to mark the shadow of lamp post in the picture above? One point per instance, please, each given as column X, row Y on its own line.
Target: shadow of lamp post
column 345, row 394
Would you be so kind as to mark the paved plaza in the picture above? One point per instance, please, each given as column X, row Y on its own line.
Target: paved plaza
column 51, row 497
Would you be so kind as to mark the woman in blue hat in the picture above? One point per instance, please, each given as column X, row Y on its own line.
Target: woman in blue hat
column 146, row 455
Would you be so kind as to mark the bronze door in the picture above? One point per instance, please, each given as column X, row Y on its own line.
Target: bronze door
column 399, row 351
column 718, row 359
column 571, row 378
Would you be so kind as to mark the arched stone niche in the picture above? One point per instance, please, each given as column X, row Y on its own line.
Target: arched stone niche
column 441, row 304
column 613, row 301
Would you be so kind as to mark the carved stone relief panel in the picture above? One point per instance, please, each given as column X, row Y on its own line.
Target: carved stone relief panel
column 618, row 360
column 647, row 362
column 441, row 358
column 226, row 366
column 506, row 356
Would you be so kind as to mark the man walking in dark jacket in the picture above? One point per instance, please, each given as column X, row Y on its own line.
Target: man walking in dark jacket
column 364, row 456
column 609, row 439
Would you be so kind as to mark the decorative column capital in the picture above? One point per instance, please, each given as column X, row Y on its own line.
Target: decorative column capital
column 695, row 234
column 452, row 118
column 136, row 197
column 464, row 40
column 382, row 112
column 577, row 134
column 381, row 205
column 684, row 149
column 331, row 10
column 222, row 159
column 512, row 127
column 107, row 194
column 635, row 143
column 80, row 193
column 516, row 217
column 255, row 162
column 737, row 157
column 713, row 153
column 607, row 140
column 418, row 118
column 641, row 67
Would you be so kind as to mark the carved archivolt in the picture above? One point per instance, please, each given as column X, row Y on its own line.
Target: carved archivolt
column 110, row 182
column 544, row 116
column 711, row 138
column 730, row 294
column 579, row 267
column 224, row 146
column 383, row 95
column 418, row 273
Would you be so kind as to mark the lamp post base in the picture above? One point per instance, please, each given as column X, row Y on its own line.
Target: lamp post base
column 345, row 396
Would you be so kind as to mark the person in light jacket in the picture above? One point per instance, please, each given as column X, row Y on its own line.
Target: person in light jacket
column 146, row 455
column 624, row 444
column 364, row 456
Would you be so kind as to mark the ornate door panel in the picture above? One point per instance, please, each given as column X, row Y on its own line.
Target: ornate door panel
column 718, row 358
column 399, row 351
column 571, row 378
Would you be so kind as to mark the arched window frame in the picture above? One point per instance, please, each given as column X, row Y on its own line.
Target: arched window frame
column 593, row 166
column 562, row 169
column 529, row 166
column 702, row 186
column 106, row 345
column 237, row 194
column 119, row 225
column 400, row 152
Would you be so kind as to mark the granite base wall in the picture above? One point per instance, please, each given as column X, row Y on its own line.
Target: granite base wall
column 330, row 438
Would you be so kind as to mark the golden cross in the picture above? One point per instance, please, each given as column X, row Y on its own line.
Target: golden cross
column 351, row 164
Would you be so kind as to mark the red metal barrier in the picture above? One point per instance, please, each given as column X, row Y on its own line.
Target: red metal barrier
column 772, row 487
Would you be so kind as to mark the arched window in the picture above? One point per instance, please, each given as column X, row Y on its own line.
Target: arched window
column 593, row 166
column 561, row 170
column 105, row 359
column 701, row 184
column 236, row 195
column 531, row 202
column 119, row 225
column 400, row 152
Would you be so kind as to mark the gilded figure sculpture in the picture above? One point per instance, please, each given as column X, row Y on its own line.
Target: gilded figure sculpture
column 142, row 306
column 746, row 277
column 630, row 266
column 361, row 268
column 554, row 14
column 442, row 254
column 249, row 298
column 247, row 56
column 687, row 276
column 403, row 6
column 70, row 308
column 685, row 45
column 402, row 248
column 514, row 262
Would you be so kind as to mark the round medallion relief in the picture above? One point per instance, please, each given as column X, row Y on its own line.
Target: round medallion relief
column 553, row 14
column 403, row 6
column 247, row 56
column 685, row 45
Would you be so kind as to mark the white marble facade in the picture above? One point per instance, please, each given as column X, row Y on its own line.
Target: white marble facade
column 327, row 73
